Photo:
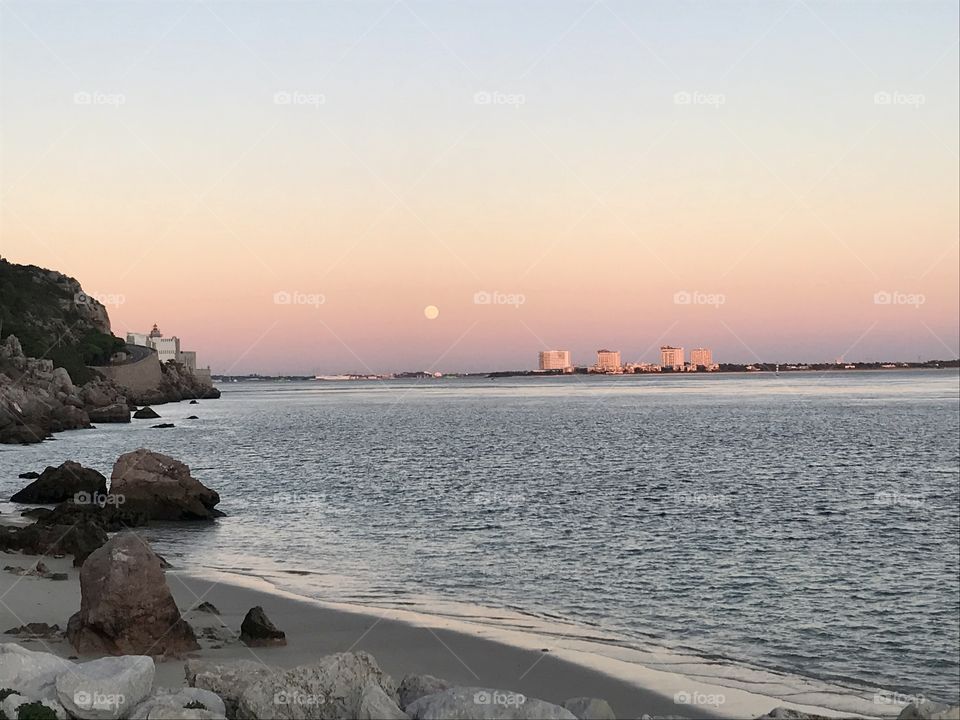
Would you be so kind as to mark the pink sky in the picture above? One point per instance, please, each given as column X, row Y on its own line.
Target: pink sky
column 804, row 216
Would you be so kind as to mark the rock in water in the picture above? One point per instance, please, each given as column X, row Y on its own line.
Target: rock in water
column 256, row 630
column 586, row 708
column 473, row 703
column 107, row 688
column 31, row 475
column 413, row 687
column 59, row 484
column 117, row 412
column 126, row 606
column 161, row 487
column 30, row 673
column 332, row 688
column 146, row 413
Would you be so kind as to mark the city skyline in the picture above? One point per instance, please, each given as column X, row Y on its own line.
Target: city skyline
column 615, row 175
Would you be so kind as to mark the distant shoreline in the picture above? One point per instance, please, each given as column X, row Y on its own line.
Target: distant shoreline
column 764, row 368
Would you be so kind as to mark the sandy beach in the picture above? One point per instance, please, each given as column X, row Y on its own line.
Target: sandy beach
column 402, row 642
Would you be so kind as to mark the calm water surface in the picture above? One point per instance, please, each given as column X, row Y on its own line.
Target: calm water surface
column 807, row 523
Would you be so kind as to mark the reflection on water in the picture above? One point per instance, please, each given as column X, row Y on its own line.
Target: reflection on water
column 807, row 522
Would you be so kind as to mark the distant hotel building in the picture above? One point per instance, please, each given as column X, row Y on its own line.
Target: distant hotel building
column 701, row 356
column 168, row 348
column 608, row 361
column 555, row 360
column 671, row 357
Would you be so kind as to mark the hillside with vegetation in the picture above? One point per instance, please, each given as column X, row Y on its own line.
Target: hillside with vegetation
column 53, row 318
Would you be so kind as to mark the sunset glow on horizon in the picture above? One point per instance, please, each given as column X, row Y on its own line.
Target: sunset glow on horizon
column 339, row 187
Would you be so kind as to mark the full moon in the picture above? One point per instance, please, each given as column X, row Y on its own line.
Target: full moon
column 431, row 312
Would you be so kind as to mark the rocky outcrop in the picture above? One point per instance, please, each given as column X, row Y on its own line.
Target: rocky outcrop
column 161, row 487
column 176, row 383
column 59, row 484
column 331, row 688
column 126, row 605
column 472, row 703
column 79, row 540
column 107, row 688
column 146, row 413
column 257, row 630
column 37, row 398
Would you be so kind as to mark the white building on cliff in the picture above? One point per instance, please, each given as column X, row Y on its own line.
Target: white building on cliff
column 168, row 348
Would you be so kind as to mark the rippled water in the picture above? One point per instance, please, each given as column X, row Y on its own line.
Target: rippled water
column 806, row 522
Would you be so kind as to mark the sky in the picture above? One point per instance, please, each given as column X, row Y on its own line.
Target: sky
column 323, row 187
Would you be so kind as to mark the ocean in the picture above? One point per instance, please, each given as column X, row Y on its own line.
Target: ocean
column 806, row 523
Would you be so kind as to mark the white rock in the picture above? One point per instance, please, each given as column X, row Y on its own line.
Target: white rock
column 31, row 673
column 375, row 704
column 227, row 680
column 473, row 703
column 171, row 701
column 106, row 689
column 329, row 690
column 587, row 708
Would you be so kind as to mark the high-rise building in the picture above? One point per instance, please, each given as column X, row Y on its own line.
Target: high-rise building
column 701, row 356
column 555, row 360
column 671, row 357
column 608, row 361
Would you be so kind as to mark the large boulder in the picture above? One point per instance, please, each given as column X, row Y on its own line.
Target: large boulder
column 146, row 413
column 107, row 688
column 257, row 630
column 474, row 703
column 11, row 706
column 228, row 680
column 161, row 487
column 59, row 484
column 126, row 606
column 107, row 515
column 117, row 412
column 330, row 689
column 587, row 708
column 413, row 687
column 32, row 674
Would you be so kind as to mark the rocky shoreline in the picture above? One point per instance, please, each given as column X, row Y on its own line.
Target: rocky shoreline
column 38, row 399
